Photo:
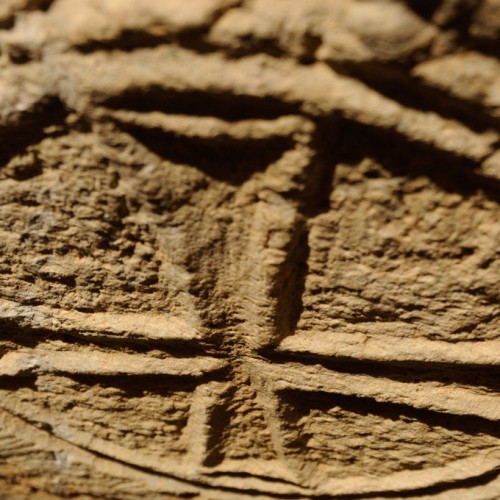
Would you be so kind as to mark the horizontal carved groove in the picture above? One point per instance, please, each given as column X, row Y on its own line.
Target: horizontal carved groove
column 456, row 174
column 364, row 347
column 210, row 156
column 483, row 378
column 396, row 84
column 469, row 424
column 223, row 105
column 128, row 325
column 154, row 75
column 440, row 487
column 326, row 191
column 92, row 362
column 127, row 41
column 30, row 338
column 135, row 39
column 438, row 397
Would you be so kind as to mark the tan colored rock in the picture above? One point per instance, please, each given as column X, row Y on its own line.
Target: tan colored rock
column 345, row 30
column 486, row 21
column 249, row 249
column 469, row 76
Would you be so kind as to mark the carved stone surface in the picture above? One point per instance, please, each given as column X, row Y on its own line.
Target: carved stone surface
column 249, row 248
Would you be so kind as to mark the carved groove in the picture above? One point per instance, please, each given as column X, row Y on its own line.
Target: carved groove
column 249, row 249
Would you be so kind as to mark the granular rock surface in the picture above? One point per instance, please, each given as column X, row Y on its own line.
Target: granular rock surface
column 249, row 248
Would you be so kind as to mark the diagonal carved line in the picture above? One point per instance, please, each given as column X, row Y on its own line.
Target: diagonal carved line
column 315, row 89
column 198, row 430
column 432, row 396
column 87, row 442
column 11, row 421
column 136, row 325
column 407, row 481
column 137, row 460
column 268, row 399
column 91, row 362
column 363, row 347
column 206, row 427
column 209, row 127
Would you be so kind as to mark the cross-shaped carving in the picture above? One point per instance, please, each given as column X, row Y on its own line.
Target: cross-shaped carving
column 237, row 349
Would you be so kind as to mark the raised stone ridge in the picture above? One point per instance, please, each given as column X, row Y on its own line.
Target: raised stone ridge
column 249, row 249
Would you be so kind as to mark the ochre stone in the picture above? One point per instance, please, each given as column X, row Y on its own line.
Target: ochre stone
column 249, row 248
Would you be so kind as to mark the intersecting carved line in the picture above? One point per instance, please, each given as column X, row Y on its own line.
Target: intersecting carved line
column 316, row 89
column 426, row 395
column 41, row 439
column 276, row 378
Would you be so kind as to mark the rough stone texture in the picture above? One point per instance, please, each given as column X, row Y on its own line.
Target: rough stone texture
column 249, row 248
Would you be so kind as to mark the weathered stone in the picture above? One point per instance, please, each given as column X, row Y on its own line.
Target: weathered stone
column 249, row 249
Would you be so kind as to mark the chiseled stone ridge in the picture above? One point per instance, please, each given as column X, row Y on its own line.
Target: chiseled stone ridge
column 249, row 249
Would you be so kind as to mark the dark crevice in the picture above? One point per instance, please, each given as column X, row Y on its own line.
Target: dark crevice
column 318, row 184
column 302, row 402
column 126, row 41
column 136, row 386
column 440, row 487
column 481, row 376
column 424, row 8
column 42, row 5
column 251, row 46
column 197, row 40
column 16, row 138
column 10, row 21
column 31, row 338
column 397, row 84
column 13, row 384
column 131, row 40
column 290, row 283
column 227, row 106
column 7, row 23
column 409, row 159
column 267, row 478
column 221, row 158
column 23, row 168
column 487, row 47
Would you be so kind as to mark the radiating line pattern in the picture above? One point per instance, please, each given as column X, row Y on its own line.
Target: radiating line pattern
column 250, row 263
